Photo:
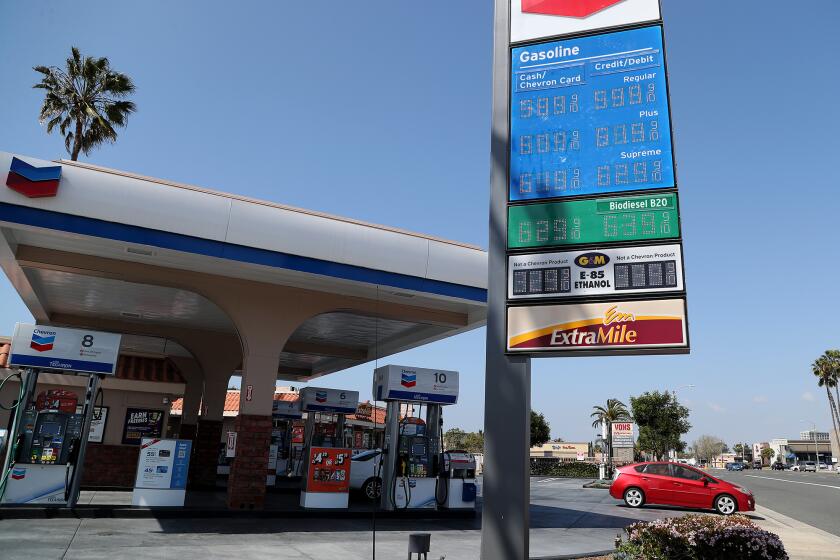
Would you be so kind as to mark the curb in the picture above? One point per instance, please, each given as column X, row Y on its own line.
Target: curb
column 574, row 556
column 122, row 512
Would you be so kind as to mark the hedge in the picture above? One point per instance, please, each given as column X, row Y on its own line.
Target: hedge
column 578, row 469
column 699, row 537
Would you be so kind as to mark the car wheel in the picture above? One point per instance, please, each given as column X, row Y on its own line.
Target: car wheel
column 634, row 497
column 372, row 489
column 726, row 504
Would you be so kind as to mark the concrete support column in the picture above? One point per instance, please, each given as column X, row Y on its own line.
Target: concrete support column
column 192, row 374
column 246, row 484
column 205, row 456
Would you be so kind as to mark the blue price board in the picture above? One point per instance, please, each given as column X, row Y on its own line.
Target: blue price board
column 590, row 116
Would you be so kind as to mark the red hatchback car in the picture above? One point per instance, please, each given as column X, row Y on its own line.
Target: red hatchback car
column 674, row 484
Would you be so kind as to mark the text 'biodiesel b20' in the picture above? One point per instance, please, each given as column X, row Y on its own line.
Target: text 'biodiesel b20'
column 602, row 220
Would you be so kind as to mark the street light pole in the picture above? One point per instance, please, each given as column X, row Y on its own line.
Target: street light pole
column 674, row 392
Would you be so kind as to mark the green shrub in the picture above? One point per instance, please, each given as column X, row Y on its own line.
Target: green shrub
column 699, row 537
column 578, row 469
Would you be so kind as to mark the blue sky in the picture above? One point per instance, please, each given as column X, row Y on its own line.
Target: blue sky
column 380, row 111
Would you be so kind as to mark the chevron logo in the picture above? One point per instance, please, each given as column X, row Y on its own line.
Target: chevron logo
column 43, row 341
column 321, row 396
column 408, row 379
column 31, row 181
column 18, row 473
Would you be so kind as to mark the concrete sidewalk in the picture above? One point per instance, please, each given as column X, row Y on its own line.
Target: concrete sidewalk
column 802, row 541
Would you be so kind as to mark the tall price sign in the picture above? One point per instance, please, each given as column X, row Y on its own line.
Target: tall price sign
column 591, row 167
column 586, row 254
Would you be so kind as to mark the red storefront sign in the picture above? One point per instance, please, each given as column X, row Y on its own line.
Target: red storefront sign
column 329, row 470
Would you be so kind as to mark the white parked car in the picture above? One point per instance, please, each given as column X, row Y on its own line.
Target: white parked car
column 365, row 475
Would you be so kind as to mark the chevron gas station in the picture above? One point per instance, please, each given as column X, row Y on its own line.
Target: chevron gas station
column 199, row 286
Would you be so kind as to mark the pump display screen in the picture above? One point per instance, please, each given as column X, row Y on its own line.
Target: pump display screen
column 50, row 429
column 590, row 116
column 602, row 220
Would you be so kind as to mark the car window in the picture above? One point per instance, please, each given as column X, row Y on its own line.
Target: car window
column 689, row 474
column 640, row 468
column 661, row 469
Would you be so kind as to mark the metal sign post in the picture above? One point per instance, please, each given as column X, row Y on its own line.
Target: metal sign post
column 505, row 518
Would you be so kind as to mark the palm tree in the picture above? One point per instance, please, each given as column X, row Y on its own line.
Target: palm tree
column 827, row 370
column 615, row 411
column 86, row 101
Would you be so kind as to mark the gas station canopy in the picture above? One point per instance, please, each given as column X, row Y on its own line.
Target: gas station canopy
column 116, row 251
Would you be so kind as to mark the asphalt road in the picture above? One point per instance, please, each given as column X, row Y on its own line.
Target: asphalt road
column 813, row 498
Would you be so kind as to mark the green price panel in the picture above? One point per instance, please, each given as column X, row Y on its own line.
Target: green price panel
column 602, row 220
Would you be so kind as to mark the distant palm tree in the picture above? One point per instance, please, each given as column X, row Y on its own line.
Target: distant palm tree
column 86, row 101
column 827, row 370
column 615, row 411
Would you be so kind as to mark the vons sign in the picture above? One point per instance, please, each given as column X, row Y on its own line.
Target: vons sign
column 535, row 19
column 620, row 326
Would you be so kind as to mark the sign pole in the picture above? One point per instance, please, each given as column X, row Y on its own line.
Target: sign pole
column 79, row 467
column 507, row 392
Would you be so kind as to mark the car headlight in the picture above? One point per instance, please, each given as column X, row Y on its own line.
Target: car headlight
column 616, row 475
column 743, row 491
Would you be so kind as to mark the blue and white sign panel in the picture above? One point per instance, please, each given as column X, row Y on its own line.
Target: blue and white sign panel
column 590, row 116
column 163, row 464
column 319, row 399
column 412, row 384
column 56, row 348
column 162, row 469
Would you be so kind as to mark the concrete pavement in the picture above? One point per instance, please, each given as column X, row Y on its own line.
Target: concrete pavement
column 565, row 519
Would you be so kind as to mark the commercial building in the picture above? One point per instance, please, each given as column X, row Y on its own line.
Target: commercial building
column 563, row 450
column 218, row 284
column 719, row 462
column 795, row 451
column 811, row 435
column 757, row 448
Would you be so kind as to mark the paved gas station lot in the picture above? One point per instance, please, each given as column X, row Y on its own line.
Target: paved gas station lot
column 565, row 519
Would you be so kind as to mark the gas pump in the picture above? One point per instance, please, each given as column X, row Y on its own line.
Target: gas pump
column 48, row 439
column 457, row 489
column 284, row 414
column 413, row 466
column 326, row 482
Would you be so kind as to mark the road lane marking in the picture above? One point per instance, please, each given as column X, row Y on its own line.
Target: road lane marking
column 793, row 481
